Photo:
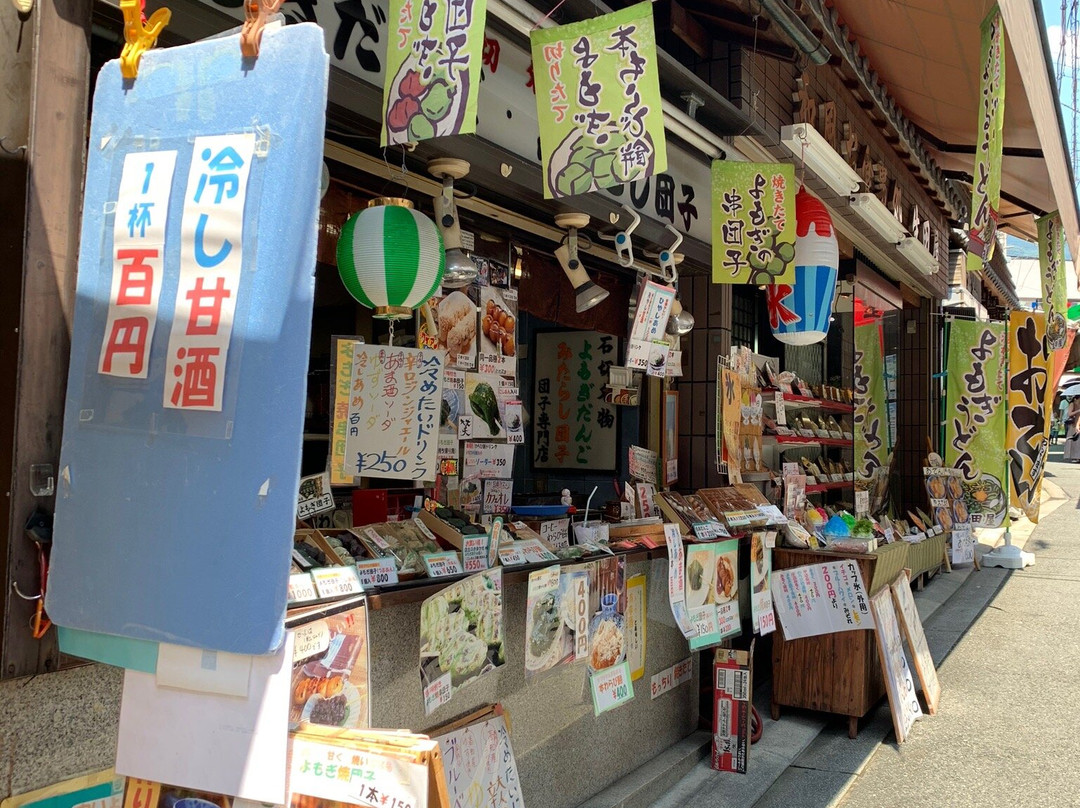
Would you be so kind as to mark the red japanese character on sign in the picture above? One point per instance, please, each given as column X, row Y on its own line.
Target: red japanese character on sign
column 136, row 277
column 127, row 338
column 196, row 374
column 205, row 317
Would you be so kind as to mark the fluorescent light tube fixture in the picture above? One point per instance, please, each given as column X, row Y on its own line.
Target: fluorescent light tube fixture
column 920, row 257
column 829, row 166
column 878, row 216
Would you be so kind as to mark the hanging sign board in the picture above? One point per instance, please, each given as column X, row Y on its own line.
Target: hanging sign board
column 1027, row 434
column 871, row 427
column 202, row 418
column 1052, row 270
column 573, row 426
column 394, row 410
column 598, row 102
column 433, row 69
column 986, row 190
column 753, row 236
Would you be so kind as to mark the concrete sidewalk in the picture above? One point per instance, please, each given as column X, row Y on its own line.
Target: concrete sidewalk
column 806, row 759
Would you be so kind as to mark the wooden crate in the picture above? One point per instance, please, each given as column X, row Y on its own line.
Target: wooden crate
column 833, row 673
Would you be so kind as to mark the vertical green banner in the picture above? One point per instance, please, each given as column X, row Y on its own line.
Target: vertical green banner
column 598, row 102
column 1052, row 271
column 975, row 416
column 433, row 63
column 871, row 427
column 1027, row 433
column 753, row 222
column 986, row 182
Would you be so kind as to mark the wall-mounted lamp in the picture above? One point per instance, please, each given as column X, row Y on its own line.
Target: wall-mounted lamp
column 460, row 269
column 587, row 293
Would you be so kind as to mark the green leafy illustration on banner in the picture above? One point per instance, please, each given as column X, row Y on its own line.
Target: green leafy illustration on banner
column 1052, row 271
column 753, row 222
column 986, row 188
column 975, row 420
column 598, row 102
column 433, row 64
column 871, row 428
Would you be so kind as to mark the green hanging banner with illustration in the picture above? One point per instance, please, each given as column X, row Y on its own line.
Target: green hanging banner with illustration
column 1052, row 272
column 433, row 63
column 986, row 185
column 975, row 416
column 871, row 425
column 753, row 222
column 598, row 102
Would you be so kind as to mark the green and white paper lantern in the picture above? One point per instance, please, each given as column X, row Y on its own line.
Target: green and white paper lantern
column 390, row 257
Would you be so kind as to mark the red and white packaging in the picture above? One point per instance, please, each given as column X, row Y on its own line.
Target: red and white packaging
column 733, row 689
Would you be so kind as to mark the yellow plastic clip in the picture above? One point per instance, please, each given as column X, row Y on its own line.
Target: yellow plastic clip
column 256, row 13
column 139, row 36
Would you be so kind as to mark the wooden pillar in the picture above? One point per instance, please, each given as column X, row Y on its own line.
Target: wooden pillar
column 55, row 158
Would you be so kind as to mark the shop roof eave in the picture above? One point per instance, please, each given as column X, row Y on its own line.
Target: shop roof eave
column 1026, row 28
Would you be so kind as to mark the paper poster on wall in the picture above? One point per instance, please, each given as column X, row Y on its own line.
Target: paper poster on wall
column 487, row 460
column 761, row 606
column 315, row 495
column 433, row 67
column 647, row 347
column 899, row 685
column 498, row 495
column 677, row 580
column 461, row 636
column 397, row 770
column 635, row 625
column 821, row 599
column 728, row 420
column 498, row 331
column 643, row 464
column 607, row 601
column 556, row 619
column 394, row 413
column 449, row 323
column 330, row 664
column 479, row 760
column 482, row 413
column 598, row 102
column 573, row 427
column 342, row 373
column 753, row 225
column 450, row 412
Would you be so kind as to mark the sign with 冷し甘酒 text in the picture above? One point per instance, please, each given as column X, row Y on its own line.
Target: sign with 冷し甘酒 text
column 394, row 406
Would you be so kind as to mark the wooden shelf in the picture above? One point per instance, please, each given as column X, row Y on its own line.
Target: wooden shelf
column 818, row 488
column 805, row 402
column 786, row 442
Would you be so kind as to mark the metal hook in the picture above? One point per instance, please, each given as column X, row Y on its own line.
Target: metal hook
column 6, row 150
column 15, row 586
column 668, row 257
column 624, row 245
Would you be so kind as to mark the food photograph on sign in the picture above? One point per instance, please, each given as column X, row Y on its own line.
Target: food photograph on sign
column 461, row 633
column 450, row 323
column 330, row 672
column 498, row 330
column 607, row 630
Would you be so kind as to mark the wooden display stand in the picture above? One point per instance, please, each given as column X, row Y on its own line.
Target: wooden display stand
column 833, row 673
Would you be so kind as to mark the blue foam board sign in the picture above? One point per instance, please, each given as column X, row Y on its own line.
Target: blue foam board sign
column 176, row 524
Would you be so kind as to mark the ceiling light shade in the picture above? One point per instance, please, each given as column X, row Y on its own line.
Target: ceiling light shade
column 828, row 165
column 460, row 268
column 874, row 212
column 800, row 312
column 920, row 257
column 390, row 257
column 586, row 292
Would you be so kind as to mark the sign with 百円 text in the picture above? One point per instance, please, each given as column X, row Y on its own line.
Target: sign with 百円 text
column 598, row 102
column 573, row 427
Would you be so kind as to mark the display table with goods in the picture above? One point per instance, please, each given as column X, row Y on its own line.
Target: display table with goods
column 835, row 672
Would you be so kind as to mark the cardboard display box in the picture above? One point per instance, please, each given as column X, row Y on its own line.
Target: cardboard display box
column 733, row 690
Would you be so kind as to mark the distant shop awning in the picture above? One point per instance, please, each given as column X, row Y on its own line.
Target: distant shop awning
column 926, row 52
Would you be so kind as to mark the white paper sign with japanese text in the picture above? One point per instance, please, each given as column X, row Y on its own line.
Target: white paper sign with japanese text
column 393, row 780
column 138, row 257
column 611, row 688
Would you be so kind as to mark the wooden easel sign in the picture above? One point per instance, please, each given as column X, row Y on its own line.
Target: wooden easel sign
column 899, row 685
column 913, row 630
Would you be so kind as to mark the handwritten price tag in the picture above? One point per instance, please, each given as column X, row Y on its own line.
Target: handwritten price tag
column 511, row 556
column 377, row 572
column 336, row 582
column 437, row 694
column 301, row 588
column 767, row 623
column 475, row 551
column 611, row 688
